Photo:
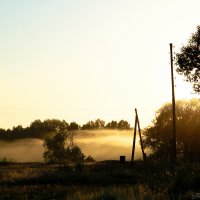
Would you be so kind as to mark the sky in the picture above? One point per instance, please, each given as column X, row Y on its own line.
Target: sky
column 82, row 60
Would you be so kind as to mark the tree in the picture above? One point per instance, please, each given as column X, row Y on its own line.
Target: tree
column 112, row 125
column 61, row 149
column 54, row 125
column 157, row 136
column 40, row 129
column 17, row 130
column 122, row 124
column 56, row 148
column 89, row 125
column 188, row 60
column 73, row 126
column 99, row 124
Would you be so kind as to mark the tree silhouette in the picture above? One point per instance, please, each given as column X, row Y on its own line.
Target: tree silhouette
column 73, row 126
column 188, row 60
column 157, row 137
column 112, row 125
column 56, row 148
column 122, row 124
column 97, row 124
column 40, row 129
column 61, row 149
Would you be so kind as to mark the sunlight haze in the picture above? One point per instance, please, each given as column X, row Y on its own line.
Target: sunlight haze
column 83, row 60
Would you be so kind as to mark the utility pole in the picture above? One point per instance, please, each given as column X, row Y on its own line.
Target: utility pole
column 137, row 124
column 141, row 143
column 134, row 140
column 173, row 109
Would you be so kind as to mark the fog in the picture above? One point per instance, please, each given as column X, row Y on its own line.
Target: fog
column 25, row 150
column 100, row 144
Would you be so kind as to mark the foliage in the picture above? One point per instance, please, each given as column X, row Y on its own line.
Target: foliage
column 56, row 148
column 122, row 124
column 41, row 129
column 73, row 126
column 48, row 125
column 100, row 124
column 97, row 124
column 188, row 60
column 60, row 149
column 157, row 136
column 112, row 125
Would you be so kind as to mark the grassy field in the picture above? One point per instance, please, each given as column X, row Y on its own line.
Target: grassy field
column 100, row 144
column 101, row 180
column 108, row 180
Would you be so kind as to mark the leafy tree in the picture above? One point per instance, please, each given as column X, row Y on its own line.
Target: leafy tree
column 36, row 125
column 17, row 130
column 112, row 125
column 55, row 124
column 99, row 124
column 56, row 148
column 73, row 126
column 89, row 125
column 75, row 154
column 157, row 136
column 61, row 149
column 39, row 128
column 188, row 60
column 122, row 124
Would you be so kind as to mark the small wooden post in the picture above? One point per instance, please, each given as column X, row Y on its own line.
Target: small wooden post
column 122, row 159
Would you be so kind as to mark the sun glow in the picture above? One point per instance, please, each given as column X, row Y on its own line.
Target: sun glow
column 84, row 60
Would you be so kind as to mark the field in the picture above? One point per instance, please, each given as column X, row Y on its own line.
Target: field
column 24, row 175
column 100, row 144
column 107, row 180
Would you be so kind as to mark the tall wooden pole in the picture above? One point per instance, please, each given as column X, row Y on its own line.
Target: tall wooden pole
column 173, row 107
column 137, row 124
column 134, row 140
column 141, row 143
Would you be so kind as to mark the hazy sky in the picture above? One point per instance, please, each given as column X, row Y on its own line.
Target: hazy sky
column 81, row 60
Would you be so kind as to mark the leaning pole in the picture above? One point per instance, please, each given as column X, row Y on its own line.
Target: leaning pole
column 173, row 109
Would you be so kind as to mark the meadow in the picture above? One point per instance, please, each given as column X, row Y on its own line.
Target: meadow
column 24, row 175
column 100, row 144
column 109, row 180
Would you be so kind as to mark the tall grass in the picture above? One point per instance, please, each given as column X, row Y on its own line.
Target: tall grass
column 100, row 181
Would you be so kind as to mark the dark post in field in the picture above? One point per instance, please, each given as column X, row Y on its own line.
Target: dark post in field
column 173, row 109
column 141, row 143
column 137, row 124
column 134, row 139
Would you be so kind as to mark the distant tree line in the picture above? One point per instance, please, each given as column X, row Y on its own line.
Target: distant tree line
column 41, row 129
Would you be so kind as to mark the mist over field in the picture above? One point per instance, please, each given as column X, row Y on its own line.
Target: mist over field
column 100, row 144
column 23, row 150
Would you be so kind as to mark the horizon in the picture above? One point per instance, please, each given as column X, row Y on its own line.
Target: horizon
column 80, row 61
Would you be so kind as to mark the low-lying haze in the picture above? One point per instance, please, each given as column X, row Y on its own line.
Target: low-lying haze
column 100, row 144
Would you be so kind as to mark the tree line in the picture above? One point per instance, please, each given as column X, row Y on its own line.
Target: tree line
column 41, row 129
column 157, row 137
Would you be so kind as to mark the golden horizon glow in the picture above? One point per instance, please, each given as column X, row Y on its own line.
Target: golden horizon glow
column 84, row 60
